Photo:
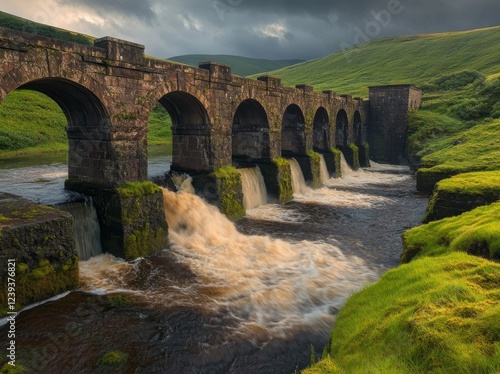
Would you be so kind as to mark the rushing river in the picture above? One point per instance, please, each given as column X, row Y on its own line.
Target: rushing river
column 250, row 297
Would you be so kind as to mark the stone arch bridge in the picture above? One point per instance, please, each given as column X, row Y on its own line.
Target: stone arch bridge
column 107, row 92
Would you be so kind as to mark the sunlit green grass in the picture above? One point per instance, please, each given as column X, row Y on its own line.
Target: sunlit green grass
column 428, row 316
column 472, row 150
column 476, row 232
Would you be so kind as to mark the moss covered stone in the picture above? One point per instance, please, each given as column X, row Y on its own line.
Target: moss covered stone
column 132, row 217
column 112, row 361
column 284, row 178
column 427, row 178
column 228, row 181
column 41, row 242
column 337, row 158
column 137, row 189
column 315, row 161
column 351, row 154
column 476, row 232
column 278, row 179
column 462, row 193
column 223, row 189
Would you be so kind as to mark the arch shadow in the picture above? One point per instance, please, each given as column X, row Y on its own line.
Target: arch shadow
column 293, row 132
column 190, row 131
column 250, row 132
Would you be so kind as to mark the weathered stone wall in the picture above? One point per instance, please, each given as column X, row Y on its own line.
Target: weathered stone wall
column 41, row 241
column 132, row 218
column 278, row 179
column 462, row 193
column 310, row 166
column 109, row 90
column 333, row 162
column 388, row 123
column 351, row 154
column 223, row 189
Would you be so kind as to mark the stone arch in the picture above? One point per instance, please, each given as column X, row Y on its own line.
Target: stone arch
column 88, row 131
column 190, row 131
column 321, row 130
column 293, row 131
column 357, row 128
column 250, row 132
column 341, row 129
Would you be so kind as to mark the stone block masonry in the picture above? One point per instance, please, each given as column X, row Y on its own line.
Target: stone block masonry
column 388, row 110
column 41, row 242
column 132, row 218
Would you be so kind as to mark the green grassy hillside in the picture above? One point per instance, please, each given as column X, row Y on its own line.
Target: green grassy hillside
column 17, row 23
column 240, row 65
column 405, row 59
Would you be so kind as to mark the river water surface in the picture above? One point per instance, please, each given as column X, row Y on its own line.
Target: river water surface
column 250, row 297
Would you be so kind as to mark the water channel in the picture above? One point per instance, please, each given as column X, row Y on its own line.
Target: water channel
column 245, row 297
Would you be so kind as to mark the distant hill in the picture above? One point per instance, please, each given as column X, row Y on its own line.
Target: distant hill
column 405, row 59
column 243, row 66
column 21, row 24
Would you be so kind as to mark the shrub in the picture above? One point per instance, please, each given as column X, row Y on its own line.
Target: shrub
column 471, row 109
column 458, row 80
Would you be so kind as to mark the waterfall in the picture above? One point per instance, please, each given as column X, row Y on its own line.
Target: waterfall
column 323, row 169
column 298, row 181
column 86, row 228
column 344, row 166
column 254, row 188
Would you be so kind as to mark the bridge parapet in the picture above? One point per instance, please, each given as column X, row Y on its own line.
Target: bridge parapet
column 121, row 50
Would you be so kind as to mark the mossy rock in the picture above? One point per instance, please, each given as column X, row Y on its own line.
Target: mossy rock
column 462, row 193
column 351, row 154
column 278, row 179
column 427, row 178
column 230, row 190
column 476, row 232
column 284, row 177
column 337, row 154
column 42, row 282
column 138, row 189
column 112, row 361
column 315, row 161
column 9, row 369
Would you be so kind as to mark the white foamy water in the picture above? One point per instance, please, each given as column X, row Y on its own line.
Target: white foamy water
column 298, row 182
column 86, row 228
column 254, row 188
column 263, row 282
column 275, row 213
column 323, row 169
column 267, row 285
column 345, row 168
column 105, row 273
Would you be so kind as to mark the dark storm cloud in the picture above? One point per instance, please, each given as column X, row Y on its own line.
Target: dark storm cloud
column 141, row 9
column 279, row 29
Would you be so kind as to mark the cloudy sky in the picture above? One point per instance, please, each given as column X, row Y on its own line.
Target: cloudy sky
column 274, row 29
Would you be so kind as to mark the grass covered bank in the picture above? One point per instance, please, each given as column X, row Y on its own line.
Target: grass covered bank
column 424, row 317
column 476, row 232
